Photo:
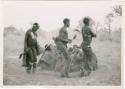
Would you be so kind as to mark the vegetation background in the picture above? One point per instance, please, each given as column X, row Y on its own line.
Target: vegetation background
column 107, row 47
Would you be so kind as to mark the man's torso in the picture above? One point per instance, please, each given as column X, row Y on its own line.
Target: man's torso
column 62, row 37
column 31, row 38
column 87, row 36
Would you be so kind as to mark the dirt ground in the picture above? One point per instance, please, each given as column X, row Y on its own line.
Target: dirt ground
column 108, row 72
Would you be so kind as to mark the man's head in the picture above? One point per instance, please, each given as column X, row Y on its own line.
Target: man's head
column 86, row 21
column 66, row 22
column 35, row 27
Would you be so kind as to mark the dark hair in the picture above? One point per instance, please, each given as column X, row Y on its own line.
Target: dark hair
column 86, row 20
column 65, row 20
column 35, row 24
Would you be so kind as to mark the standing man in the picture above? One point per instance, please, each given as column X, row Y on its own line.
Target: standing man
column 87, row 35
column 31, row 48
column 61, row 43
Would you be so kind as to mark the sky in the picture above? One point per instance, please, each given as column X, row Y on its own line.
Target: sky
column 50, row 16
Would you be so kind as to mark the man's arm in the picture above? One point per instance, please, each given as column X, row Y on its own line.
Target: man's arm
column 25, row 42
column 92, row 33
column 38, row 48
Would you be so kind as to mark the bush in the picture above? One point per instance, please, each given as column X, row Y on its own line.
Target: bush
column 115, row 36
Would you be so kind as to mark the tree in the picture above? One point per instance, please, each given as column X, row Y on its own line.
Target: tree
column 109, row 20
column 117, row 10
column 97, row 25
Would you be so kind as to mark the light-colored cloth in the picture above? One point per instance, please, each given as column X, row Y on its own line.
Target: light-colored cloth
column 33, row 36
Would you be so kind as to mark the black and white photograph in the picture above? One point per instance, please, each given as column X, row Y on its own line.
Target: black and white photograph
column 62, row 43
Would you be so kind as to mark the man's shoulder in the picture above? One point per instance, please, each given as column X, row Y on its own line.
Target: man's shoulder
column 63, row 28
column 28, row 31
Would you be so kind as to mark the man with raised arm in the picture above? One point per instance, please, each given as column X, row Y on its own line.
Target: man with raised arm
column 61, row 42
column 87, row 35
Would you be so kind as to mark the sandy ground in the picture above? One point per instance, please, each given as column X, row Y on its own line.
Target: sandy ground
column 108, row 72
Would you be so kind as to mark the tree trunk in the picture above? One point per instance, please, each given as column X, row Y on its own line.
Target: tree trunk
column 109, row 29
column 110, row 32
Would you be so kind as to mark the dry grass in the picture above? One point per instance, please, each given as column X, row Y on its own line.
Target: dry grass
column 108, row 73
